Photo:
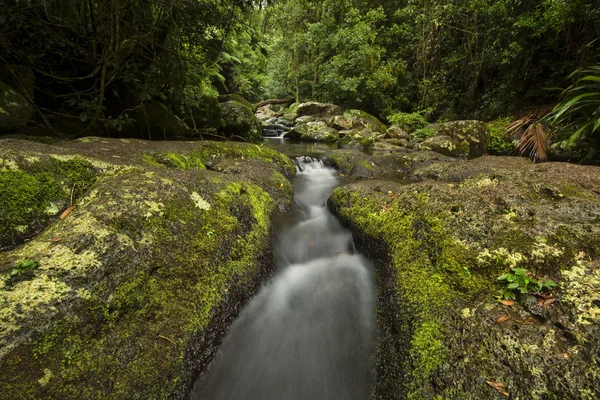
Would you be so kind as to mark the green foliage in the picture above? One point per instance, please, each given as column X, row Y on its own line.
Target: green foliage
column 580, row 105
column 518, row 281
column 423, row 133
column 499, row 144
column 23, row 266
column 408, row 121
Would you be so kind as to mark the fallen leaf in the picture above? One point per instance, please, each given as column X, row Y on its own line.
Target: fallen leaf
column 499, row 387
column 383, row 206
column 342, row 175
column 502, row 319
column 541, row 302
column 66, row 213
column 565, row 355
column 530, row 320
column 508, row 302
column 548, row 302
column 56, row 240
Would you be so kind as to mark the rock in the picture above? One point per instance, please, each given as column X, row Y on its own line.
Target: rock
column 398, row 142
column 153, row 120
column 465, row 139
column 439, row 246
column 264, row 113
column 20, row 78
column 304, row 119
column 130, row 295
column 318, row 109
column 358, row 119
column 341, row 123
column 206, row 113
column 313, row 132
column 15, row 110
column 224, row 98
column 395, row 132
column 239, row 120
column 290, row 117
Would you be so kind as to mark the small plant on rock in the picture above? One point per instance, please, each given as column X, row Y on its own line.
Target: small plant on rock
column 518, row 281
column 23, row 266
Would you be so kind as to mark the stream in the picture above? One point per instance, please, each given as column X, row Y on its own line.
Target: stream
column 310, row 333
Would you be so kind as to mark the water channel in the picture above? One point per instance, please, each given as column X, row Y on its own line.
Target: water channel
column 309, row 334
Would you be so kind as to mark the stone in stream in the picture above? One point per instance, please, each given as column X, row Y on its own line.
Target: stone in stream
column 129, row 293
column 442, row 237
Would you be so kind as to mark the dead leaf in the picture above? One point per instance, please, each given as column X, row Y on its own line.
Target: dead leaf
column 56, row 240
column 530, row 320
column 502, row 319
column 565, row 356
column 508, row 302
column 66, row 213
column 499, row 387
column 342, row 175
column 547, row 303
column 541, row 302
column 383, row 206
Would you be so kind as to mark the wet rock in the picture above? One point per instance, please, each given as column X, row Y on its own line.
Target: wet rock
column 440, row 244
column 133, row 290
column 305, row 119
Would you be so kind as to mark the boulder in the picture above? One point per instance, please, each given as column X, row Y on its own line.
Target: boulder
column 318, row 109
column 439, row 246
column 264, row 113
column 15, row 110
column 304, row 119
column 239, row 121
column 206, row 113
column 20, row 78
column 464, row 139
column 153, row 120
column 314, row 132
column 224, row 98
column 358, row 119
column 129, row 294
column 396, row 132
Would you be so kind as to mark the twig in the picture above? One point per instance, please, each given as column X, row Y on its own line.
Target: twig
column 166, row 338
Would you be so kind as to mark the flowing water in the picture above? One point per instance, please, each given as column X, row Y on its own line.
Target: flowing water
column 310, row 333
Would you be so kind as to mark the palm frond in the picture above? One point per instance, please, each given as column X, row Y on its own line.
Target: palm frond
column 535, row 141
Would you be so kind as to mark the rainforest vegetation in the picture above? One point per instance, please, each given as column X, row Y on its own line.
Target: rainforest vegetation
column 102, row 61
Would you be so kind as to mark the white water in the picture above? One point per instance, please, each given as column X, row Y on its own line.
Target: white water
column 310, row 333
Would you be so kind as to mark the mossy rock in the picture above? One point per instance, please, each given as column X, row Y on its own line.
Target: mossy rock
column 316, row 131
column 224, row 98
column 133, row 290
column 238, row 120
column 205, row 111
column 357, row 119
column 15, row 110
column 153, row 120
column 318, row 109
column 439, row 246
column 464, row 139
column 20, row 78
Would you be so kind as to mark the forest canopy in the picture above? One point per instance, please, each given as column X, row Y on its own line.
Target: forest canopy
column 100, row 60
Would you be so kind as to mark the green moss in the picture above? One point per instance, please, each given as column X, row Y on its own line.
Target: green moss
column 172, row 160
column 499, row 144
column 209, row 151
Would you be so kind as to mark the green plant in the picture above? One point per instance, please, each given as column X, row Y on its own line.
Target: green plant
column 408, row 121
column 580, row 106
column 423, row 133
column 518, row 281
column 23, row 266
column 499, row 144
